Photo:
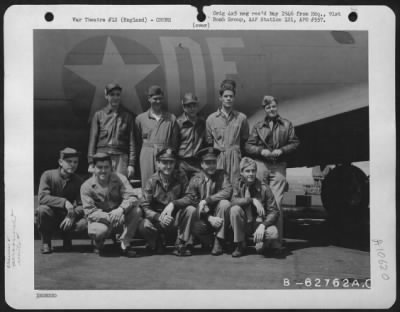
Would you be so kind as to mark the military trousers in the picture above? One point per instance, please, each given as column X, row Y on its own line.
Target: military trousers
column 203, row 230
column 242, row 228
column 274, row 175
column 100, row 226
column 181, row 227
column 50, row 218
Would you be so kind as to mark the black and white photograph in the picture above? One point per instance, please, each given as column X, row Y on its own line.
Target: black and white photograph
column 199, row 156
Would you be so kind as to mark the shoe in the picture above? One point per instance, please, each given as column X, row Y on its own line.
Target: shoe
column 128, row 252
column 46, row 248
column 217, row 249
column 67, row 244
column 160, row 249
column 99, row 251
column 278, row 253
column 182, row 251
column 239, row 250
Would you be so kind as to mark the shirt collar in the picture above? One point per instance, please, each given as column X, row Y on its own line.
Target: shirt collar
column 184, row 119
column 164, row 114
column 113, row 178
column 108, row 109
column 233, row 113
column 61, row 177
column 256, row 185
column 157, row 177
column 278, row 119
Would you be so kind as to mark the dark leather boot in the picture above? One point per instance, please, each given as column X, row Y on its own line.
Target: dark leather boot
column 217, row 249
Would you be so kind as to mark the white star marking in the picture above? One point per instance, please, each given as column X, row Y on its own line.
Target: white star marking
column 113, row 69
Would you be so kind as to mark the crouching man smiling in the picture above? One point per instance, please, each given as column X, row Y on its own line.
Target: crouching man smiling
column 254, row 211
column 110, row 206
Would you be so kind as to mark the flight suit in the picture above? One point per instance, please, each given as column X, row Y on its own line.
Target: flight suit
column 153, row 136
column 99, row 201
column 216, row 191
column 157, row 195
column 228, row 135
column 281, row 136
column 53, row 192
column 243, row 214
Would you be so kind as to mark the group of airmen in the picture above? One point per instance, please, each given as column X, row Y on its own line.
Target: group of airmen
column 210, row 181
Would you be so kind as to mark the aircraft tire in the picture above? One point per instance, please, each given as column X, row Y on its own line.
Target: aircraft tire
column 345, row 196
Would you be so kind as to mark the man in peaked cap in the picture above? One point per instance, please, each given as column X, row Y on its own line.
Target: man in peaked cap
column 110, row 205
column 157, row 129
column 112, row 131
column 166, row 212
column 210, row 191
column 60, row 202
column 254, row 212
column 270, row 142
column 192, row 130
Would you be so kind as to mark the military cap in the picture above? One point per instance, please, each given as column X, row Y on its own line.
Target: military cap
column 166, row 154
column 69, row 152
column 246, row 162
column 101, row 157
column 189, row 98
column 155, row 90
column 208, row 153
column 268, row 99
column 112, row 86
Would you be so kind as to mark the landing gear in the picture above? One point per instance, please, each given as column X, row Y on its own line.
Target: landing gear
column 345, row 196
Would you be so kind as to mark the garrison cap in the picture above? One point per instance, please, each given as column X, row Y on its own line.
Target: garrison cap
column 101, row 157
column 268, row 99
column 69, row 152
column 166, row 154
column 246, row 162
column 112, row 86
column 189, row 98
column 155, row 90
column 208, row 153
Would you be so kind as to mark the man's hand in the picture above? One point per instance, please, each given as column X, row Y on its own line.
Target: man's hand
column 266, row 153
column 68, row 205
column 131, row 171
column 259, row 234
column 148, row 225
column 66, row 224
column 167, row 210
column 215, row 222
column 116, row 216
column 203, row 206
column 91, row 168
column 259, row 207
column 70, row 210
column 276, row 153
column 165, row 220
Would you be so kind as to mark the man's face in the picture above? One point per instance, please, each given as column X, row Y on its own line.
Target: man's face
column 227, row 98
column 191, row 109
column 102, row 170
column 271, row 109
column 166, row 166
column 156, row 101
column 209, row 166
column 69, row 165
column 249, row 174
column 114, row 98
